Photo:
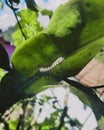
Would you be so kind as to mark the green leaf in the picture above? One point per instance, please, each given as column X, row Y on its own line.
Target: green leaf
column 46, row 98
column 17, row 37
column 77, row 23
column 37, row 84
column 34, row 53
column 64, row 19
column 2, row 73
column 69, row 67
column 92, row 19
column 47, row 12
column 44, row 49
column 13, row 124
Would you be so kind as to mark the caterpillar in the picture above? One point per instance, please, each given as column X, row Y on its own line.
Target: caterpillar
column 54, row 64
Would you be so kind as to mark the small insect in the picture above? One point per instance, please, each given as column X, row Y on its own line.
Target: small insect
column 54, row 64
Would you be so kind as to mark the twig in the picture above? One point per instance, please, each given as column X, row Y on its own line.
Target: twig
column 13, row 9
column 19, row 123
column 64, row 114
column 87, row 118
column 19, row 24
column 55, row 96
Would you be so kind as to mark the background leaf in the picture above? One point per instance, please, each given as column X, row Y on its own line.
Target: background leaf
column 30, row 26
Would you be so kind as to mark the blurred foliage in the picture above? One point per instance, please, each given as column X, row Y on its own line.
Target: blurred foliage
column 30, row 26
column 22, row 115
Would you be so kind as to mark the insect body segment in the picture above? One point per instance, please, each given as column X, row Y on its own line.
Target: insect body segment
column 54, row 64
